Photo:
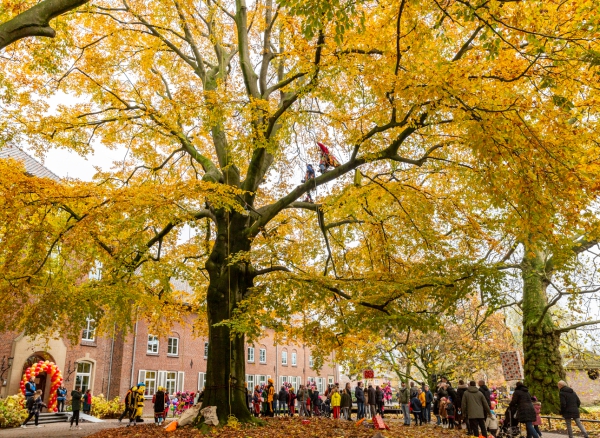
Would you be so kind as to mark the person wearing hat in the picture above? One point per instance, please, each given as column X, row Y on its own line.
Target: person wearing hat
column 137, row 407
column 160, row 401
column 270, row 395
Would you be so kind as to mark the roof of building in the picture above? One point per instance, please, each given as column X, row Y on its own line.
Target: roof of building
column 589, row 362
column 32, row 166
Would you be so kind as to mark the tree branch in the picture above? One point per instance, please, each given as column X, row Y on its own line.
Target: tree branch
column 35, row 21
column 576, row 326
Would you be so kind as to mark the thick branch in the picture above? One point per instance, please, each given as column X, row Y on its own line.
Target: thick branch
column 35, row 21
column 576, row 326
column 271, row 269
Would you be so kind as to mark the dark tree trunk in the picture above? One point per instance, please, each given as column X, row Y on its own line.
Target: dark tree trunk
column 225, row 374
column 541, row 341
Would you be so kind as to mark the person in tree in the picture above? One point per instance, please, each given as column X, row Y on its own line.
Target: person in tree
column 34, row 406
column 76, row 397
column 327, row 160
column 569, row 408
column 310, row 174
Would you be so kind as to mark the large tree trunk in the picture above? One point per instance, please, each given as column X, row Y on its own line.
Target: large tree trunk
column 225, row 376
column 541, row 341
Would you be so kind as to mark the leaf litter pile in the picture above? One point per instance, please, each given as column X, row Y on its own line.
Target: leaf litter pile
column 285, row 428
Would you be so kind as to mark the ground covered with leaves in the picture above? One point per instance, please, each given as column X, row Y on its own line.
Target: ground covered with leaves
column 284, row 428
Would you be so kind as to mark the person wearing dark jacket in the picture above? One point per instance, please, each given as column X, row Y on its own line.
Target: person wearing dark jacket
column 485, row 391
column 359, row 393
column 346, row 403
column 30, row 388
column 379, row 400
column 404, row 400
column 521, row 402
column 372, row 400
column 283, row 397
column 476, row 409
column 460, row 391
column 34, row 406
column 427, row 407
column 569, row 408
column 417, row 410
column 76, row 397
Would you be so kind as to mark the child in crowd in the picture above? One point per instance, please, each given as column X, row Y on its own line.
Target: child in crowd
column 450, row 414
column 443, row 412
column 336, row 400
column 537, row 405
column 491, row 422
column 436, row 411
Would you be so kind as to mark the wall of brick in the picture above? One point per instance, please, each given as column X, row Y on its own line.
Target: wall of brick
column 587, row 389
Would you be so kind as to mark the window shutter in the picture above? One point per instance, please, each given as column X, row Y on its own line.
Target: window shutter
column 180, row 375
column 161, row 379
column 201, row 381
column 141, row 377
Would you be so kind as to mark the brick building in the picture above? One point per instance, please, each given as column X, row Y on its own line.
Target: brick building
column 110, row 365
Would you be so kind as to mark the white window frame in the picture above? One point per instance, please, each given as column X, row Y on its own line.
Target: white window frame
column 171, row 382
column 320, row 385
column 260, row 379
column 96, row 271
column 262, row 355
column 284, row 360
column 311, row 361
column 152, row 343
column 150, row 378
column 250, row 355
column 82, row 376
column 283, row 380
column 294, row 359
column 206, row 350
column 89, row 332
column 201, row 381
column 250, row 382
column 173, row 346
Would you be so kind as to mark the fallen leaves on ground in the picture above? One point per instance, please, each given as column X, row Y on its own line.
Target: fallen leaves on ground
column 284, row 428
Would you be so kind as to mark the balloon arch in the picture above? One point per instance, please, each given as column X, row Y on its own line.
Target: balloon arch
column 56, row 380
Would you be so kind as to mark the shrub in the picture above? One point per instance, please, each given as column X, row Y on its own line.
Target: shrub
column 103, row 408
column 12, row 411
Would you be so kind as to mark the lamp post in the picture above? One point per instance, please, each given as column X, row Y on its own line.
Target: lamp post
column 69, row 371
column 5, row 366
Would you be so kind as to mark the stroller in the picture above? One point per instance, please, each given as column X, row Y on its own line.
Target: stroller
column 509, row 427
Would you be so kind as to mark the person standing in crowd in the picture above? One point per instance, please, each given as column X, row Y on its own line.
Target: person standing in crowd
column 282, row 398
column 404, row 401
column 537, row 405
column 34, row 406
column 359, row 393
column 336, row 401
column 491, row 423
column 256, row 401
column 413, row 390
column 137, row 408
column 87, row 402
column 450, row 414
column 460, row 391
column 443, row 413
column 428, row 403
column 475, row 407
column 417, row 410
column 302, row 396
column 436, row 410
column 76, row 397
column 30, row 388
column 270, row 398
column 128, row 404
column 569, row 408
column 291, row 401
column 379, row 400
column 521, row 402
column 485, row 391
column 61, row 398
column 159, row 401
column 347, row 403
column 372, row 394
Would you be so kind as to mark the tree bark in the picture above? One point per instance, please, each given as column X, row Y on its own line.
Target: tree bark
column 226, row 367
column 541, row 340
column 35, row 21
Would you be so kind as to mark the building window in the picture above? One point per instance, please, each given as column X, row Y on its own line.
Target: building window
column 96, row 271
column 173, row 347
column 330, row 380
column 83, row 379
column 89, row 332
column 294, row 359
column 250, row 382
column 201, row 381
column 206, row 350
column 284, row 358
column 152, row 344
column 149, row 378
column 311, row 362
column 251, row 354
column 320, row 384
column 261, row 380
column 171, row 382
column 263, row 355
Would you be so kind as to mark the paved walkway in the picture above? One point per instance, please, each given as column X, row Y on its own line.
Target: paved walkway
column 59, row 430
